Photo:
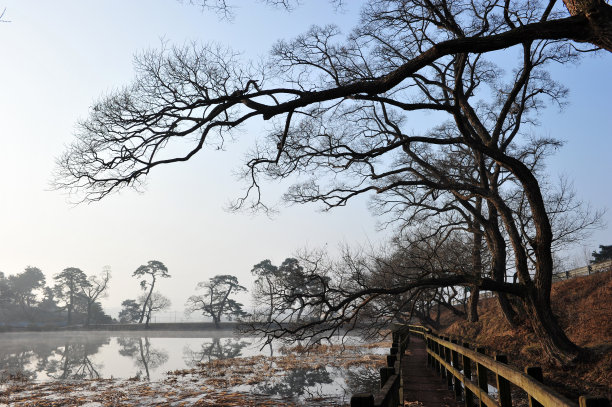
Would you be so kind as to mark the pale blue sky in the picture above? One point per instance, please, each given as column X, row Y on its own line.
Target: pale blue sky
column 58, row 57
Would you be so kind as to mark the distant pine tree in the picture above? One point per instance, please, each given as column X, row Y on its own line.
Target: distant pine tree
column 605, row 253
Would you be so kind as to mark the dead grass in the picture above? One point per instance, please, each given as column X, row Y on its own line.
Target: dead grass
column 583, row 306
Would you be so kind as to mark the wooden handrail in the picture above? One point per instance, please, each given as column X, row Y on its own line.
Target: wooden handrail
column 444, row 355
column 537, row 390
column 438, row 349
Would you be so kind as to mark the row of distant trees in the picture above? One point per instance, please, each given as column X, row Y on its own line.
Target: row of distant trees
column 286, row 293
column 215, row 301
column 278, row 292
column 74, row 297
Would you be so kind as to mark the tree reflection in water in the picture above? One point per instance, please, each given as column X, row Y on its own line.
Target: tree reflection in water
column 146, row 357
column 362, row 380
column 295, row 383
column 209, row 351
column 74, row 362
column 16, row 364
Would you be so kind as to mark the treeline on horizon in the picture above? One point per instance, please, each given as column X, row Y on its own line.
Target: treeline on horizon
column 27, row 298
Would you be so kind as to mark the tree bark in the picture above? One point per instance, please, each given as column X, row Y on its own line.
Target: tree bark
column 144, row 306
column 70, row 309
column 472, row 304
column 89, row 304
column 506, row 309
column 555, row 342
column 599, row 17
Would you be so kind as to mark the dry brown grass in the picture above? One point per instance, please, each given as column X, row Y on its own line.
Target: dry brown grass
column 584, row 309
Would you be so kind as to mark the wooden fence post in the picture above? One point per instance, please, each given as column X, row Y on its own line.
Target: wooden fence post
column 536, row 373
column 391, row 360
column 457, row 382
column 481, row 371
column 467, row 372
column 362, row 400
column 385, row 374
column 447, row 358
column 586, row 401
column 441, row 354
column 503, row 385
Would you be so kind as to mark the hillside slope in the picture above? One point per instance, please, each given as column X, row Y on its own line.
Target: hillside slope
column 584, row 308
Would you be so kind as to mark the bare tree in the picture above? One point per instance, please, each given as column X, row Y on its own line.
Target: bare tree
column 591, row 19
column 342, row 112
column 97, row 288
column 2, row 13
column 154, row 302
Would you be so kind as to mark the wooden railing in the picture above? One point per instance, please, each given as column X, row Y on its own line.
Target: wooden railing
column 600, row 267
column 390, row 394
column 466, row 371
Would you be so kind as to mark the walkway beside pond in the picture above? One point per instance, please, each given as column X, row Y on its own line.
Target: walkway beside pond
column 421, row 385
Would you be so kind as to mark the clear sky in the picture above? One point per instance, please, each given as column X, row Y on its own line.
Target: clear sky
column 57, row 57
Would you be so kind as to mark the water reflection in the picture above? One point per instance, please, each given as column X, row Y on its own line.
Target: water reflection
column 226, row 348
column 296, row 383
column 362, row 380
column 145, row 356
column 54, row 357
column 17, row 364
column 74, row 361
column 78, row 356
column 93, row 355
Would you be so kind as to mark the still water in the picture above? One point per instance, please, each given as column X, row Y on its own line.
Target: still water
column 49, row 356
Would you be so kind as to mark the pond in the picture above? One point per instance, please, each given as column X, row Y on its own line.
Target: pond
column 278, row 372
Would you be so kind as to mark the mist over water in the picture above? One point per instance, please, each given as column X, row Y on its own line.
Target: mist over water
column 46, row 356
column 150, row 355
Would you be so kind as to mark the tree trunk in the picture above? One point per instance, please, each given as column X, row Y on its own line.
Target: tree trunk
column 537, row 291
column 507, row 310
column 70, row 310
column 89, row 304
column 148, row 318
column 144, row 357
column 146, row 302
column 216, row 321
column 270, row 290
column 497, row 248
column 544, row 324
column 599, row 16
column 472, row 304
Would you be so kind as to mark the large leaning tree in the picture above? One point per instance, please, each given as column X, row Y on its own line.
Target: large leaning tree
column 342, row 108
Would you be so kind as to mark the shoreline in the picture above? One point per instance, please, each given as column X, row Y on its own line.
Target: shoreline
column 162, row 326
